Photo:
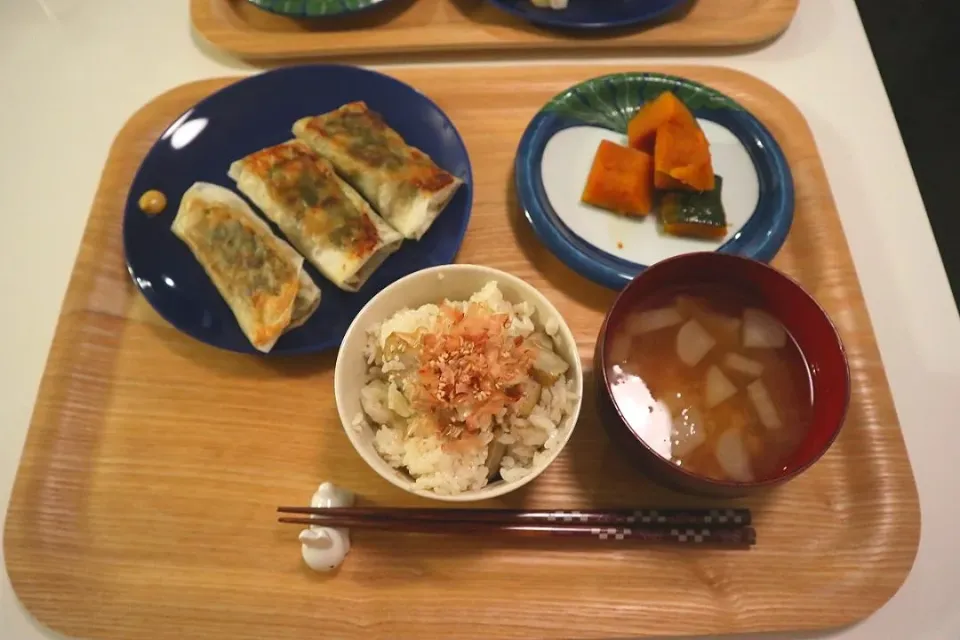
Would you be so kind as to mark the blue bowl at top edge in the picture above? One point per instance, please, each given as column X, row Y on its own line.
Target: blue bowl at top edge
column 592, row 14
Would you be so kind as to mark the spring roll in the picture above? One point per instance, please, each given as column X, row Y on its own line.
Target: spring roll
column 259, row 276
column 400, row 181
column 321, row 215
column 307, row 300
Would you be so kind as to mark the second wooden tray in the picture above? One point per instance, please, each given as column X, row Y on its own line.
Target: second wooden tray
column 435, row 26
column 144, row 503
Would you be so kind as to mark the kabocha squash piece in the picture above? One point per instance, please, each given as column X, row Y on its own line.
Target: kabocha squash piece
column 642, row 129
column 663, row 182
column 694, row 214
column 682, row 158
column 620, row 180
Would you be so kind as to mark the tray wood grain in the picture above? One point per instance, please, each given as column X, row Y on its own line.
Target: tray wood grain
column 434, row 26
column 143, row 506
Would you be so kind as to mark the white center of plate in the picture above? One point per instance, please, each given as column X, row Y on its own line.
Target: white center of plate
column 566, row 164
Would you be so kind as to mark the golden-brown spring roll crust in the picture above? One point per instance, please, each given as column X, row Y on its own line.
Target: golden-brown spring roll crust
column 258, row 275
column 404, row 185
column 321, row 215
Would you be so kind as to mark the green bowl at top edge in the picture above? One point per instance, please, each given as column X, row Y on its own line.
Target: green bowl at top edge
column 316, row 8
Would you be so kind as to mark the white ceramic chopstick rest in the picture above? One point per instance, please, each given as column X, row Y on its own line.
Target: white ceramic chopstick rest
column 324, row 548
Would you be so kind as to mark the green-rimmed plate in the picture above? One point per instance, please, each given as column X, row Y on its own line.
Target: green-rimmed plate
column 556, row 154
column 317, row 8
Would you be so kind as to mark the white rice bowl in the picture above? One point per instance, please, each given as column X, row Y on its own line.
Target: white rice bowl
column 417, row 462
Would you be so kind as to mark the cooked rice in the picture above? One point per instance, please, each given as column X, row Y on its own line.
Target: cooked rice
column 449, row 460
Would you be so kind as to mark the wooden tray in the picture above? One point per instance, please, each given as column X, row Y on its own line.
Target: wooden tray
column 143, row 507
column 431, row 26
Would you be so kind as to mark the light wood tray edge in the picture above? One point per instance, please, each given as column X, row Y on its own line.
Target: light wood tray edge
column 223, row 33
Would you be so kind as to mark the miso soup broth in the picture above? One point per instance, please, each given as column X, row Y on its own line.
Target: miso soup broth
column 712, row 383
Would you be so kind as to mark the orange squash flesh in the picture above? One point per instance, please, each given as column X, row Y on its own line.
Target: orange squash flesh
column 682, row 158
column 642, row 129
column 620, row 180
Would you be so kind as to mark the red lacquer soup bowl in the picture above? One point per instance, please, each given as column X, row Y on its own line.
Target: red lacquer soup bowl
column 811, row 329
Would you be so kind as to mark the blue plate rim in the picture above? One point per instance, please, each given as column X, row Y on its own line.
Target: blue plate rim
column 557, row 21
column 614, row 272
column 130, row 202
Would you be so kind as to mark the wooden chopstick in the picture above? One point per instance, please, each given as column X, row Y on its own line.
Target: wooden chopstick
column 679, row 535
column 650, row 518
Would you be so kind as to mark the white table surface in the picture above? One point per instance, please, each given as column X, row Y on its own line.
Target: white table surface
column 72, row 71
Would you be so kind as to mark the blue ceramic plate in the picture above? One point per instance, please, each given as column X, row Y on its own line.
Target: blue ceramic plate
column 557, row 150
column 318, row 8
column 252, row 114
column 592, row 14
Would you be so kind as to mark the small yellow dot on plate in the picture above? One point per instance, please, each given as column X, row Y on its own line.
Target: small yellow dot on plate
column 152, row 202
